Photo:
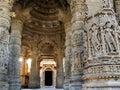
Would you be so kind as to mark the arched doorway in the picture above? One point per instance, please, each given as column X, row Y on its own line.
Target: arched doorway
column 48, row 73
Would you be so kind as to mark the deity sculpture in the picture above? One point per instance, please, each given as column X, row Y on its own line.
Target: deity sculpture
column 94, row 39
column 110, row 40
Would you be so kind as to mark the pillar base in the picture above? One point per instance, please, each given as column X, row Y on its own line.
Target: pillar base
column 14, row 83
column 33, row 85
column 4, row 86
column 110, row 85
column 59, row 83
column 66, row 84
column 15, row 86
column 75, row 83
column 102, row 73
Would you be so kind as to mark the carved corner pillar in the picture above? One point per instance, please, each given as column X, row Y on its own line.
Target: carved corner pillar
column 101, row 69
column 14, row 55
column 67, row 73
column 77, row 43
column 5, row 19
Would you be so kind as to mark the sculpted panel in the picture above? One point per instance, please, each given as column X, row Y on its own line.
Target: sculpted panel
column 103, row 40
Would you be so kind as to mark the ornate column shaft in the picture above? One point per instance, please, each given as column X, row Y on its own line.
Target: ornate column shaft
column 33, row 73
column 34, row 81
column 77, row 43
column 101, row 69
column 5, row 7
column 67, row 56
column 14, row 55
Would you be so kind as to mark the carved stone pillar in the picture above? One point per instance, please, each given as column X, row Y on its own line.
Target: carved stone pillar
column 117, row 8
column 5, row 7
column 77, row 43
column 14, row 55
column 67, row 56
column 34, row 81
column 59, row 78
column 59, row 59
column 33, row 73
column 101, row 69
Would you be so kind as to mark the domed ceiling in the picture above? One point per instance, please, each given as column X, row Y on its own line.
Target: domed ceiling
column 43, row 24
column 42, row 16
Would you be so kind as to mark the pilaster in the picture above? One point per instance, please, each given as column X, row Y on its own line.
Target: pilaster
column 59, row 59
column 67, row 56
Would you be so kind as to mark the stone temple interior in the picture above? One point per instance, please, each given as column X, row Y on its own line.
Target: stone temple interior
column 60, row 44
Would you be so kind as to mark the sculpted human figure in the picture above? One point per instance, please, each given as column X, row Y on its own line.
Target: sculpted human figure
column 117, row 37
column 94, row 38
column 77, row 62
column 109, row 38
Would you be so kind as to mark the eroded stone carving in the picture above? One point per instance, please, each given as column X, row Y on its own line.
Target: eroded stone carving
column 104, row 57
column 103, row 39
column 5, row 7
column 94, row 39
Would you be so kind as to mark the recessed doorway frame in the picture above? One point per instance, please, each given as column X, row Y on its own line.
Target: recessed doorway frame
column 42, row 75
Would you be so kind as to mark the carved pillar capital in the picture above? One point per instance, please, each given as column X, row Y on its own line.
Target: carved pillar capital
column 7, row 3
column 17, row 24
column 78, row 8
column 5, row 8
column 16, row 31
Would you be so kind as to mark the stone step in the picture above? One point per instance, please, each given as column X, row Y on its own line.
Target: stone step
column 44, row 89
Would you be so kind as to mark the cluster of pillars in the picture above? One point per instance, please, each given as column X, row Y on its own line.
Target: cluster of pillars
column 10, row 47
column 74, row 53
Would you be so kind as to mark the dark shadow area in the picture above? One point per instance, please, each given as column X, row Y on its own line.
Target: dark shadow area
column 48, row 78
